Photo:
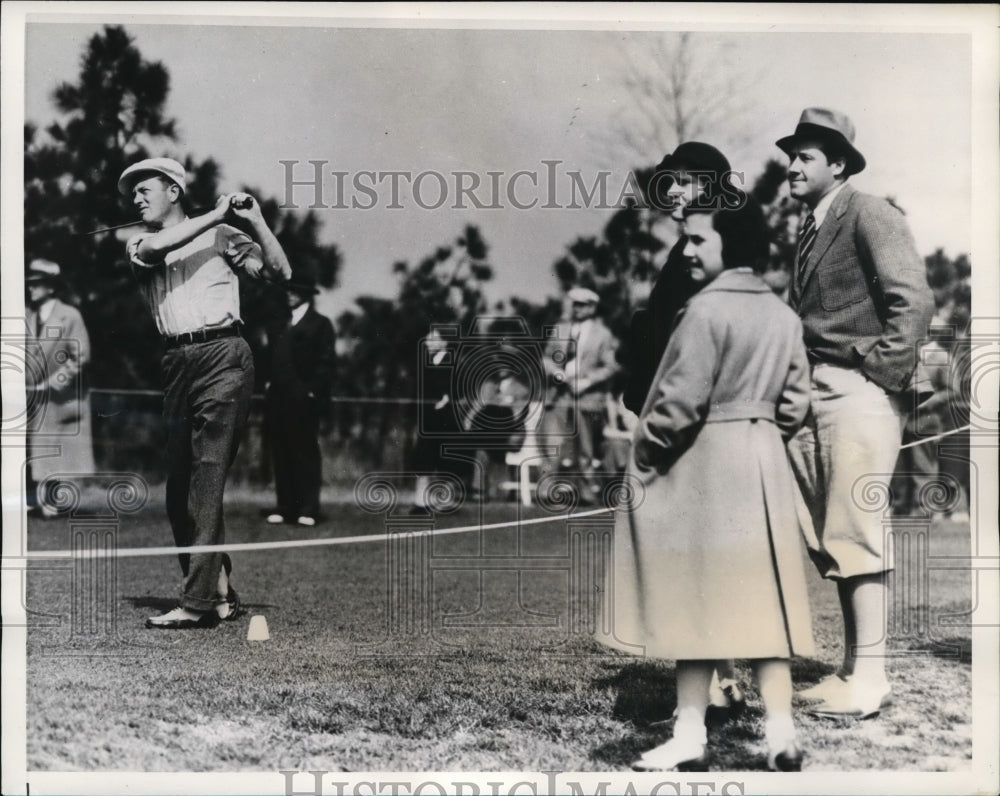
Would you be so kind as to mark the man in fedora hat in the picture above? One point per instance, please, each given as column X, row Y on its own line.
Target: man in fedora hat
column 580, row 362
column 861, row 291
column 187, row 271
column 302, row 360
column 59, row 429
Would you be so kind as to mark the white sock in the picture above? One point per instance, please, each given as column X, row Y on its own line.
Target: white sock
column 690, row 726
column 779, row 730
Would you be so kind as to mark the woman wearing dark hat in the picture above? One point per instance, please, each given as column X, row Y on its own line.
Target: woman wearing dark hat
column 693, row 174
column 298, row 396
column 708, row 565
column 59, row 431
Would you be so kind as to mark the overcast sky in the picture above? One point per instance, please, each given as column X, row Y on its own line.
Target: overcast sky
column 505, row 100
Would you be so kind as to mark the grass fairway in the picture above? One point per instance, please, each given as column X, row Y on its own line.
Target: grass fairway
column 485, row 670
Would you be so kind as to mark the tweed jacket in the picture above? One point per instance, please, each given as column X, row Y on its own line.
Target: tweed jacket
column 862, row 295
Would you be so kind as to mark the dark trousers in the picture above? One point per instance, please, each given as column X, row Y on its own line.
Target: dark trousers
column 293, row 426
column 207, row 400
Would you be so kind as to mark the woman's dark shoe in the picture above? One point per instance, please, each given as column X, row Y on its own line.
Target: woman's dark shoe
column 787, row 759
column 735, row 697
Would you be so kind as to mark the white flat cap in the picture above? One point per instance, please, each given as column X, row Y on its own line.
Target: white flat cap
column 168, row 167
column 582, row 295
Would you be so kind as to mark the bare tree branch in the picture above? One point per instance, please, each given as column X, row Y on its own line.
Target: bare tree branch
column 678, row 87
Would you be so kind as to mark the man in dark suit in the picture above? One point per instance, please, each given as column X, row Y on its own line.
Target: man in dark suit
column 861, row 291
column 302, row 359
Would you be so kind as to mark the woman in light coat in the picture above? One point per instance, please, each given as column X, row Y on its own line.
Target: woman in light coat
column 59, row 426
column 708, row 563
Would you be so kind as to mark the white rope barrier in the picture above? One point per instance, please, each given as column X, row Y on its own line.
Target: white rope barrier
column 244, row 547
column 939, row 436
column 334, row 399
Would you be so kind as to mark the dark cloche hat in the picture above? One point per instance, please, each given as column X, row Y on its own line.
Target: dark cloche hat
column 690, row 156
column 694, row 155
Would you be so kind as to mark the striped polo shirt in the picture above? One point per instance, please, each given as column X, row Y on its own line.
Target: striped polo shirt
column 196, row 286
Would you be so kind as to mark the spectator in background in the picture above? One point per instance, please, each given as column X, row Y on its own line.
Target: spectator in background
column 302, row 359
column 59, row 429
column 694, row 173
column 580, row 363
column 497, row 420
column 949, row 363
column 441, row 421
column 918, row 467
column 955, row 453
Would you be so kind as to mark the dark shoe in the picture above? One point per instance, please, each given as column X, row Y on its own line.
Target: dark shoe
column 181, row 619
column 734, row 694
column 788, row 759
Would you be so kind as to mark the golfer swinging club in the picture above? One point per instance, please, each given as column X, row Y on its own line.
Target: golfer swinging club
column 187, row 271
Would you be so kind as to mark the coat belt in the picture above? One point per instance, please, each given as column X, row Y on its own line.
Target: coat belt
column 741, row 410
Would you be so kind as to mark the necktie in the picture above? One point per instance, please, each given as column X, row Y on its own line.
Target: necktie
column 574, row 336
column 806, row 240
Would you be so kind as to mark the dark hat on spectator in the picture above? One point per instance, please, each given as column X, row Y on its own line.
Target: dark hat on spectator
column 167, row 167
column 690, row 156
column 43, row 271
column 302, row 284
column 824, row 124
column 695, row 156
